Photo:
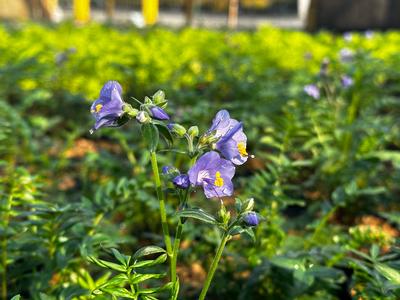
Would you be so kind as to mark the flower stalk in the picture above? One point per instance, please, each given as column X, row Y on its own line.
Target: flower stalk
column 164, row 223
column 225, row 238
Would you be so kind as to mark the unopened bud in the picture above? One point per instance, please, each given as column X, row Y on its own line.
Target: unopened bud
column 143, row 117
column 248, row 205
column 159, row 97
column 193, row 131
column 251, row 219
column 177, row 129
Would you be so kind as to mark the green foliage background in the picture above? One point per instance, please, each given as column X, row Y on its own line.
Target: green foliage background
column 325, row 174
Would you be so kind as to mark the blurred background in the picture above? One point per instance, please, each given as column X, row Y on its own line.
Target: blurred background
column 316, row 84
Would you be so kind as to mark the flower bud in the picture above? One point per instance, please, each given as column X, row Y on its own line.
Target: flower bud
column 251, row 219
column 158, row 113
column 224, row 214
column 147, row 100
column 159, row 97
column 248, row 205
column 193, row 131
column 179, row 130
column 181, row 181
column 143, row 117
column 208, row 139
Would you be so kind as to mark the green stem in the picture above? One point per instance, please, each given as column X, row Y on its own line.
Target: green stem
column 175, row 250
column 160, row 196
column 214, row 266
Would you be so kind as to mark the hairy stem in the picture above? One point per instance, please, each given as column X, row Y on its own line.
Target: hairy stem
column 214, row 266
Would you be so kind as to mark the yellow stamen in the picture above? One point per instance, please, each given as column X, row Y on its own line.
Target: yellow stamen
column 98, row 107
column 242, row 149
column 219, row 181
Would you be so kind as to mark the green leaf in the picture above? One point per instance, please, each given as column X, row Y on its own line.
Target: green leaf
column 16, row 297
column 249, row 232
column 197, row 213
column 116, row 281
column 165, row 133
column 167, row 286
column 147, row 263
column 238, row 205
column 148, row 250
column 175, row 290
column 388, row 272
column 106, row 264
column 117, row 291
column 374, row 251
column 236, row 230
column 151, row 136
column 137, row 278
column 123, row 259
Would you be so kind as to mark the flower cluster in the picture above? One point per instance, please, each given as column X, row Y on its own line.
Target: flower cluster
column 219, row 150
column 213, row 172
column 109, row 110
column 214, row 156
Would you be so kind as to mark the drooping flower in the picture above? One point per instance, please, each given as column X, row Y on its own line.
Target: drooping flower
column 231, row 138
column 108, row 108
column 346, row 55
column 158, row 113
column 251, row 219
column 346, row 81
column 181, row 181
column 214, row 174
column 312, row 90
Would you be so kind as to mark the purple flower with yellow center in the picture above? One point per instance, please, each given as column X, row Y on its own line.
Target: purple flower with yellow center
column 312, row 90
column 158, row 113
column 346, row 81
column 251, row 219
column 108, row 109
column 181, row 181
column 214, row 174
column 232, row 140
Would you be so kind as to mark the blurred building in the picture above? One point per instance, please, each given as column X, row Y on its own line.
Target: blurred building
column 350, row 14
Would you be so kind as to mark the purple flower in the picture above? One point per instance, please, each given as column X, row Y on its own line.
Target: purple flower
column 158, row 113
column 214, row 174
column 251, row 219
column 346, row 55
column 108, row 109
column 232, row 140
column 167, row 169
column 348, row 36
column 181, row 181
column 369, row 34
column 346, row 81
column 312, row 90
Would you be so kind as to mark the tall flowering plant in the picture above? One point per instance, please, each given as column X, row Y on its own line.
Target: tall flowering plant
column 212, row 156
